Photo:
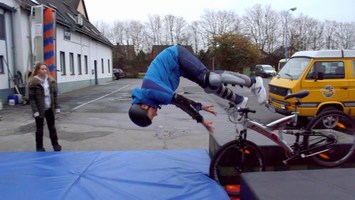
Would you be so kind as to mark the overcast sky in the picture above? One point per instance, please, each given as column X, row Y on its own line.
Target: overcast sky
column 111, row 10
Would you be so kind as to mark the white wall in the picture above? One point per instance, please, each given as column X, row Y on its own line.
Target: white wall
column 85, row 46
column 18, row 52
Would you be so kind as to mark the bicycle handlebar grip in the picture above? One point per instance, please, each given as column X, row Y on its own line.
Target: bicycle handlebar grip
column 246, row 110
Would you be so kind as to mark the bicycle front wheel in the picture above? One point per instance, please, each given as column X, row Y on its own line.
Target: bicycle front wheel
column 330, row 138
column 232, row 159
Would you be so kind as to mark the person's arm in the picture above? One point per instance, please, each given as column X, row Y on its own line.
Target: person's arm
column 189, row 106
column 33, row 99
column 55, row 97
column 192, row 108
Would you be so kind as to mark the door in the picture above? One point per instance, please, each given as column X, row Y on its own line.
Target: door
column 95, row 71
column 326, row 81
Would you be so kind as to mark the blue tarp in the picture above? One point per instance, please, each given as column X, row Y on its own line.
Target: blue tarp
column 151, row 174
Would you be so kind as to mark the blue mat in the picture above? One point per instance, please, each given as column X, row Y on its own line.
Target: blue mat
column 131, row 175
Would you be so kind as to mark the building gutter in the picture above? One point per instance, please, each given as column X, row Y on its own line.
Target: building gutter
column 11, row 11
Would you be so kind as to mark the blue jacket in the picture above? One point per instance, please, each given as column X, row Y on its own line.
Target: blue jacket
column 160, row 81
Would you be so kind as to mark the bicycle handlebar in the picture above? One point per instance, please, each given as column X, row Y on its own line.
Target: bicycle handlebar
column 301, row 94
column 245, row 110
column 241, row 110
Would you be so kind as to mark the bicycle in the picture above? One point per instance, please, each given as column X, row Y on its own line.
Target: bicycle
column 328, row 139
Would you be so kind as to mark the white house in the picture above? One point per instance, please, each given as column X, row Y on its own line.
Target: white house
column 81, row 55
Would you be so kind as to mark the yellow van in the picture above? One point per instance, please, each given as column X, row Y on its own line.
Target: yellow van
column 329, row 75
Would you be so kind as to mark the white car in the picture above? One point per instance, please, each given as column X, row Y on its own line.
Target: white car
column 264, row 71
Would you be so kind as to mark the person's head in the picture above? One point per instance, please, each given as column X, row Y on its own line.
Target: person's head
column 41, row 70
column 142, row 114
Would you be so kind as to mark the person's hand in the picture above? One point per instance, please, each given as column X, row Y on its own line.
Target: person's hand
column 209, row 108
column 208, row 125
column 36, row 114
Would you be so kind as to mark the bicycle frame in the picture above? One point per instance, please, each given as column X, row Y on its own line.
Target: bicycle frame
column 268, row 130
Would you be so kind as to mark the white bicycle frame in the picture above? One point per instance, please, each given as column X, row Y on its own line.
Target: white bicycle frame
column 268, row 130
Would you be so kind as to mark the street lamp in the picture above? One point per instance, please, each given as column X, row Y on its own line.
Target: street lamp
column 286, row 42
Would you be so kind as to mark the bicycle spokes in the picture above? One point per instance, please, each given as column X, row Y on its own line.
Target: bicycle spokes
column 330, row 139
column 232, row 160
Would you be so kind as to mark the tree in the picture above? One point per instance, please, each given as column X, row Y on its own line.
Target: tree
column 345, row 34
column 214, row 24
column 117, row 32
column 195, row 36
column 174, row 27
column 154, row 30
column 234, row 52
column 261, row 24
column 135, row 32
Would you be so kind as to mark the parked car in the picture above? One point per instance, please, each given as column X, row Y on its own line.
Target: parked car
column 264, row 71
column 118, row 73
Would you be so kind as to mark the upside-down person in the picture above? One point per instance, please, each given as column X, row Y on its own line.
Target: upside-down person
column 163, row 77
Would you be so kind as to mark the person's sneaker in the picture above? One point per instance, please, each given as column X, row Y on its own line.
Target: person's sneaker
column 242, row 104
column 258, row 89
column 57, row 147
column 41, row 149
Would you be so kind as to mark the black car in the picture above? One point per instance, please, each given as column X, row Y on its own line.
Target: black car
column 118, row 73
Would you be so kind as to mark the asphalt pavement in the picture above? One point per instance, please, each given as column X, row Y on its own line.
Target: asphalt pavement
column 95, row 119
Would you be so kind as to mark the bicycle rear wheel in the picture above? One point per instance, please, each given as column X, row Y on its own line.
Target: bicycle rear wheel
column 232, row 159
column 331, row 138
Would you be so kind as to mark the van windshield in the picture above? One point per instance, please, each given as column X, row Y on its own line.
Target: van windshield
column 294, row 68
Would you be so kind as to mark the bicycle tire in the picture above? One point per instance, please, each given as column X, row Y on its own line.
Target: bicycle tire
column 225, row 165
column 336, row 128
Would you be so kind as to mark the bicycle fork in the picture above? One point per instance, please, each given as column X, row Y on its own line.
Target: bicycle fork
column 241, row 143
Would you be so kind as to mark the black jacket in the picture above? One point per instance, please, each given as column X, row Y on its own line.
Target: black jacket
column 36, row 95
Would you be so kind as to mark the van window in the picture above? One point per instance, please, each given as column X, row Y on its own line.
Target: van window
column 294, row 68
column 330, row 70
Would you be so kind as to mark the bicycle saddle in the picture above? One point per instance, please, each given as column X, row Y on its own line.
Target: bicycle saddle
column 301, row 94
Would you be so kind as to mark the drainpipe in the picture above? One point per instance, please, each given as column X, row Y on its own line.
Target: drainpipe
column 7, row 58
column 10, row 75
column 13, row 43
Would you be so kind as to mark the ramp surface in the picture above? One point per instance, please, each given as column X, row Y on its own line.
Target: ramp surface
column 325, row 184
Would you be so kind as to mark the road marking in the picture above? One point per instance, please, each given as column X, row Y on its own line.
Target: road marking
column 99, row 98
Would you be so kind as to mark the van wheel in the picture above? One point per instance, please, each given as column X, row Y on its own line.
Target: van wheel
column 329, row 122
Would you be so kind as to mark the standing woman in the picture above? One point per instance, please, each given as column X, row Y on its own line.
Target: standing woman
column 44, row 104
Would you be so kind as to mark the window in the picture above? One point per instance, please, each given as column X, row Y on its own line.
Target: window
column 62, row 63
column 2, row 27
column 108, row 66
column 328, row 70
column 71, row 63
column 67, row 33
column 1, row 64
column 79, row 64
column 294, row 68
column 102, row 65
column 86, row 64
